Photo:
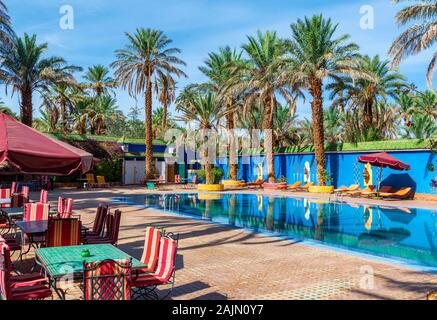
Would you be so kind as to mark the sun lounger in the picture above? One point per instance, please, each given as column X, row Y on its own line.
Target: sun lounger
column 294, row 185
column 404, row 193
column 359, row 192
column 342, row 189
column 375, row 192
column 256, row 183
column 303, row 188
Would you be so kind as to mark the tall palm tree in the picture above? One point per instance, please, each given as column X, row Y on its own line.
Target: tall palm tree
column 420, row 36
column 166, row 90
column 6, row 32
column 61, row 96
column 99, row 80
column 206, row 111
column 98, row 113
column 145, row 59
column 366, row 92
column 218, row 68
column 315, row 55
column 261, row 82
column 26, row 70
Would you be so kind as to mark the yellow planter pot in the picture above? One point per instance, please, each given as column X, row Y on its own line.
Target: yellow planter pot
column 232, row 183
column 210, row 187
column 321, row 189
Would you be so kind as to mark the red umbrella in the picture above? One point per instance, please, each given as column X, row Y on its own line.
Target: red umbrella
column 384, row 160
column 25, row 150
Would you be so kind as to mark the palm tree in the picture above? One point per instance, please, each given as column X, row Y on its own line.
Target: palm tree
column 25, row 70
column 285, row 127
column 422, row 127
column 205, row 110
column 144, row 60
column 258, row 79
column 98, row 113
column 366, row 93
column 98, row 80
column 6, row 32
column 218, row 69
column 316, row 55
column 426, row 103
column 167, row 95
column 5, row 109
column 61, row 96
column 419, row 36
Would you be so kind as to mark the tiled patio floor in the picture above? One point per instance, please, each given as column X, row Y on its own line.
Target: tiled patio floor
column 217, row 262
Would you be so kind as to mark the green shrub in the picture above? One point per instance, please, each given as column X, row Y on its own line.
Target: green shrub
column 217, row 174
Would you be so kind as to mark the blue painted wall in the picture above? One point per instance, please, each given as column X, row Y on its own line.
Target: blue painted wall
column 142, row 148
column 345, row 169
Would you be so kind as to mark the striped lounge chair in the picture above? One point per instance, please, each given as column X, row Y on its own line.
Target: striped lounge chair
column 145, row 284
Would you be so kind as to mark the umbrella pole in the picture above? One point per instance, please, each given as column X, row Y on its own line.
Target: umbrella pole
column 379, row 181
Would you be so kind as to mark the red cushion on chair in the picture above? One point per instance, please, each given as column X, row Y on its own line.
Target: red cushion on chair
column 25, row 280
column 31, row 292
column 165, row 268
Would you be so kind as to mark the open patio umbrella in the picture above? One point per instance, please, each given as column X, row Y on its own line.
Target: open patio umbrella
column 383, row 160
column 25, row 150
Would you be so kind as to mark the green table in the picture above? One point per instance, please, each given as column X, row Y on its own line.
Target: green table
column 60, row 262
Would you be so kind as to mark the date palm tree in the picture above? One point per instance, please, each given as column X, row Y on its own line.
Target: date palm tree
column 6, row 32
column 25, row 70
column 419, row 36
column 315, row 55
column 166, row 90
column 206, row 111
column 258, row 79
column 218, row 68
column 63, row 98
column 99, row 80
column 146, row 58
column 364, row 93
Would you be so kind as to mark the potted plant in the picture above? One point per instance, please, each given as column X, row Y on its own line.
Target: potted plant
column 328, row 188
column 216, row 174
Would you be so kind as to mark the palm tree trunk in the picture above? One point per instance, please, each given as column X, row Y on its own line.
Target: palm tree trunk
column 233, row 165
column 368, row 114
column 63, row 118
column 267, row 126
column 318, row 130
column 26, row 107
column 164, row 117
column 148, row 173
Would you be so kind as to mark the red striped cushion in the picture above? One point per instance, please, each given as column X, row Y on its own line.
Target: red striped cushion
column 44, row 197
column 165, row 268
column 63, row 232
column 5, row 194
column 36, row 211
column 5, row 267
column 151, row 249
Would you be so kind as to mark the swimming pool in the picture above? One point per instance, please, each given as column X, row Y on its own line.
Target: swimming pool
column 407, row 235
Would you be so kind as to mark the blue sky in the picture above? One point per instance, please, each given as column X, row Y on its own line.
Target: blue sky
column 197, row 27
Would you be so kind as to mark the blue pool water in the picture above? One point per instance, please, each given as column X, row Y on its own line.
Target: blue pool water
column 407, row 235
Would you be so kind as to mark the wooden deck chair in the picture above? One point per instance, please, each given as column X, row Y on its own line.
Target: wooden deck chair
column 352, row 187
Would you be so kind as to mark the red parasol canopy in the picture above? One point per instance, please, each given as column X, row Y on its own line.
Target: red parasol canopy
column 384, row 160
column 32, row 152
